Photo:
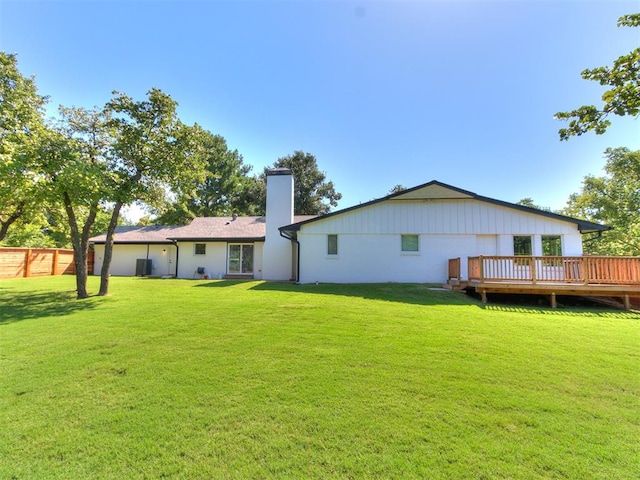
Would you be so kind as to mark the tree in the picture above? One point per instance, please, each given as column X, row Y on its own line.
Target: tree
column 397, row 189
column 74, row 161
column 528, row 202
column 225, row 190
column 614, row 200
column 21, row 126
column 151, row 152
column 313, row 194
column 623, row 98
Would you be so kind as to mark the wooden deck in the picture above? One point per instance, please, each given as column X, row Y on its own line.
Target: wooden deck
column 581, row 276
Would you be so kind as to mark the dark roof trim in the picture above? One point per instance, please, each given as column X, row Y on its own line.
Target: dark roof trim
column 584, row 226
column 226, row 239
column 279, row 171
column 135, row 242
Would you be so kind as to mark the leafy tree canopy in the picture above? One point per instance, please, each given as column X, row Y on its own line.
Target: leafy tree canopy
column 613, row 199
column 21, row 125
column 313, row 194
column 226, row 188
column 397, row 189
column 150, row 152
column 528, row 202
column 622, row 98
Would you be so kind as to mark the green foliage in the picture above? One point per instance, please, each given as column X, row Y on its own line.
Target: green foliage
column 613, row 199
column 208, row 379
column 528, row 202
column 623, row 98
column 151, row 152
column 397, row 189
column 226, row 189
column 313, row 194
column 21, row 126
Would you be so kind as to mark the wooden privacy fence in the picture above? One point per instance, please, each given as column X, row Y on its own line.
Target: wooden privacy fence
column 587, row 270
column 38, row 262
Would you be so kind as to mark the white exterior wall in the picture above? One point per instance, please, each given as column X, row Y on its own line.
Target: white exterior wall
column 123, row 260
column 378, row 258
column 369, row 248
column 277, row 261
column 214, row 261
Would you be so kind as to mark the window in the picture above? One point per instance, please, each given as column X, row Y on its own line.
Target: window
column 200, row 249
column 551, row 246
column 410, row 243
column 240, row 258
column 332, row 244
column 522, row 245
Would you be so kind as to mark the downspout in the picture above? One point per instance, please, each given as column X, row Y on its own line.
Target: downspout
column 175, row 243
column 298, row 254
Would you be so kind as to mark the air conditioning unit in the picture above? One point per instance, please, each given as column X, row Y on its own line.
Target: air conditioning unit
column 143, row 267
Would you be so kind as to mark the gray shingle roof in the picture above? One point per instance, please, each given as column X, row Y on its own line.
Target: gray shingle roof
column 201, row 228
column 222, row 228
column 149, row 234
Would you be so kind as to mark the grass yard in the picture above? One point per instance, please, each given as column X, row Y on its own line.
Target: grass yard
column 213, row 379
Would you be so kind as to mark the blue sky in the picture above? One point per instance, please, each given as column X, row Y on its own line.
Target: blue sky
column 382, row 93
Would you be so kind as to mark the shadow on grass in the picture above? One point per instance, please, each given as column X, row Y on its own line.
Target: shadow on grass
column 18, row 306
column 429, row 294
column 417, row 294
column 222, row 283
column 568, row 305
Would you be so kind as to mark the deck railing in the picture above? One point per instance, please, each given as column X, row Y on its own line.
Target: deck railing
column 454, row 268
column 587, row 270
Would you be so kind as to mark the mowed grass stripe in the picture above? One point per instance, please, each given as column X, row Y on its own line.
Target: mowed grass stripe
column 204, row 379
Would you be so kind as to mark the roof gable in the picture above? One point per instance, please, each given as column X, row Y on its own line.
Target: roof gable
column 435, row 190
column 431, row 191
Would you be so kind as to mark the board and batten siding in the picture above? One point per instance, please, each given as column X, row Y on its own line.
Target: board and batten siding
column 440, row 217
column 369, row 242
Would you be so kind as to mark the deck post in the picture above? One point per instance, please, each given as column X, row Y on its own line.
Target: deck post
column 627, row 303
column 532, row 269
column 483, row 295
column 554, row 303
column 481, row 258
column 585, row 270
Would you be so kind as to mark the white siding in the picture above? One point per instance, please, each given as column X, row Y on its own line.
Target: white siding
column 369, row 248
column 440, row 217
column 123, row 261
column 279, row 212
column 214, row 261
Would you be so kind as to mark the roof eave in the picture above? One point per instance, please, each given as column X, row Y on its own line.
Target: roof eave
column 218, row 239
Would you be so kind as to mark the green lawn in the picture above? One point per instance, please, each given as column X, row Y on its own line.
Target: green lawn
column 208, row 379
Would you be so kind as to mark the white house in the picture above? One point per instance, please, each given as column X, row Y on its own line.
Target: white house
column 403, row 237
column 218, row 247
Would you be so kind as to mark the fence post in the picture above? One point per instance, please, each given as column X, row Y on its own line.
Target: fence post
column 54, row 264
column 27, row 263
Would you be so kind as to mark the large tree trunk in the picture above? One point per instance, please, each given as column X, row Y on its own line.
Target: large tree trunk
column 80, row 243
column 108, row 250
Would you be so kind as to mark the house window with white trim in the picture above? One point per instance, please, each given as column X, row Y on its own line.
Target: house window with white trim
column 332, row 244
column 410, row 243
column 200, row 249
column 522, row 245
column 551, row 245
